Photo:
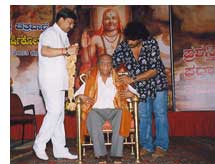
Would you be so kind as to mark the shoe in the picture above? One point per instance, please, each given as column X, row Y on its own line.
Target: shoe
column 144, row 152
column 159, row 152
column 101, row 159
column 40, row 154
column 117, row 160
column 66, row 156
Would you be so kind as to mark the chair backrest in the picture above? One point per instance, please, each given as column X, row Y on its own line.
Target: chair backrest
column 16, row 107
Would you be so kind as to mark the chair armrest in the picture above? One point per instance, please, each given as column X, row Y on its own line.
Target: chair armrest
column 30, row 107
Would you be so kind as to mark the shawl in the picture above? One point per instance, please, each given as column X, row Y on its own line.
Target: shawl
column 120, row 103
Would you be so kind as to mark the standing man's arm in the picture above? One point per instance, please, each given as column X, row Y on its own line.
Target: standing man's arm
column 53, row 52
column 46, row 41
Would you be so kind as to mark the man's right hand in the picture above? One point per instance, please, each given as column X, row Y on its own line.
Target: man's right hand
column 86, row 99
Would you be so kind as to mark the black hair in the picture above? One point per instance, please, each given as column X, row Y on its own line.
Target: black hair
column 136, row 31
column 66, row 13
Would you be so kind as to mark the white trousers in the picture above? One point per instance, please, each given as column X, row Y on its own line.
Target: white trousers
column 53, row 123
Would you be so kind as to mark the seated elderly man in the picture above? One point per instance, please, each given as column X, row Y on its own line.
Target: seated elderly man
column 103, row 98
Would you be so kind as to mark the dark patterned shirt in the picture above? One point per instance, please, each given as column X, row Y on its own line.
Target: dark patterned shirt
column 149, row 58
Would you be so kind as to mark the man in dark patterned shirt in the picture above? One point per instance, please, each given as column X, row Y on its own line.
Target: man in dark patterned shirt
column 140, row 55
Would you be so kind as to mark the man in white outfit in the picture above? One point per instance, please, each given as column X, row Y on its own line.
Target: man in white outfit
column 53, row 80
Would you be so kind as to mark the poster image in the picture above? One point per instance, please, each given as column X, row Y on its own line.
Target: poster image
column 194, row 57
column 94, row 32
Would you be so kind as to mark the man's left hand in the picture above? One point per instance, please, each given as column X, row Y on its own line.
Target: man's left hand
column 73, row 49
column 125, row 94
column 126, row 79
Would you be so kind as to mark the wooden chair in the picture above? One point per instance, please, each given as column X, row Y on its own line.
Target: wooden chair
column 132, row 140
column 18, row 116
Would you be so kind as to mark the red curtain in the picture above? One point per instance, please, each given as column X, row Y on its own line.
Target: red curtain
column 180, row 124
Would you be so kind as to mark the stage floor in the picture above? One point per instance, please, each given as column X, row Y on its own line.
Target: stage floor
column 182, row 150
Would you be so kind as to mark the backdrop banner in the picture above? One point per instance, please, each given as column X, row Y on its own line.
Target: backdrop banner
column 194, row 57
column 28, row 22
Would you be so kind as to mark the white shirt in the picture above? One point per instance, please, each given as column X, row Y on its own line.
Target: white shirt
column 52, row 70
column 106, row 92
column 165, row 51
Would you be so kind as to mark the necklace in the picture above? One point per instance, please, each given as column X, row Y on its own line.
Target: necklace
column 111, row 35
column 113, row 46
column 111, row 39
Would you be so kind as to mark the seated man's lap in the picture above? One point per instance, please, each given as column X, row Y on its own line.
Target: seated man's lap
column 97, row 117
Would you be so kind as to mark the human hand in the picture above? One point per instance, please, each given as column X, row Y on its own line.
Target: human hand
column 73, row 49
column 86, row 99
column 85, row 39
column 125, row 94
column 126, row 79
